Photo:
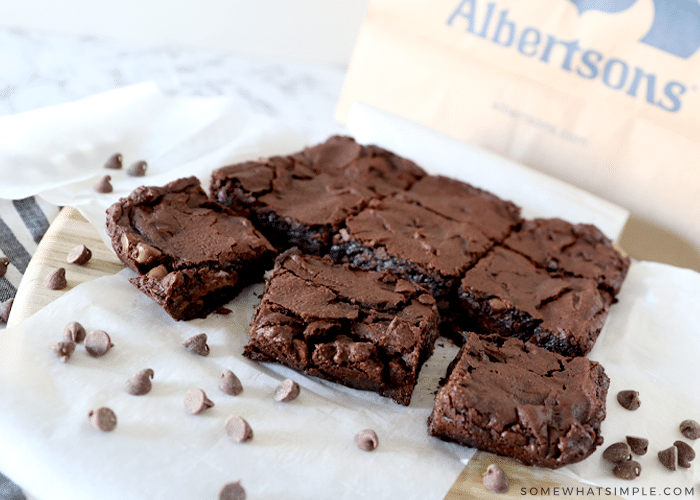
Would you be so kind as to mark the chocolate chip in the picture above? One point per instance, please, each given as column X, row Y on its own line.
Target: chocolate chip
column 495, row 480
column 140, row 383
column 686, row 453
column 669, row 457
column 57, row 279
column 79, row 255
column 137, row 169
column 638, row 445
column 103, row 185
column 103, row 419
column 4, row 264
column 196, row 401
column 367, row 440
column 690, row 429
column 629, row 399
column 224, row 311
column 114, row 162
column 232, row 491
column 630, row 469
column 74, row 332
column 63, row 350
column 98, row 343
column 5, row 308
column 230, row 384
column 197, row 344
column 287, row 391
column 238, row 430
column 618, row 452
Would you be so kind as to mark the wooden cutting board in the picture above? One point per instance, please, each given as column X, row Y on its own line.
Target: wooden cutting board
column 71, row 229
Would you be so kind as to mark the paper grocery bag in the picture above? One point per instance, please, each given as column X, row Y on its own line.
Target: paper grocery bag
column 601, row 93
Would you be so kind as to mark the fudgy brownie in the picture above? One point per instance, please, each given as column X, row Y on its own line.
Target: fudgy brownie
column 192, row 254
column 505, row 294
column 304, row 198
column 568, row 249
column 518, row 400
column 363, row 329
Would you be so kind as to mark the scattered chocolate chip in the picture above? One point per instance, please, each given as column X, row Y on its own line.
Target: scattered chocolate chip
column 98, row 343
column 224, row 311
column 232, row 491
column 639, row 446
column 629, row 399
column 103, row 419
column 79, row 255
column 74, row 332
column 366, row 440
column 196, row 401
column 669, row 457
column 238, row 430
column 287, row 391
column 137, row 169
column 629, row 470
column 114, row 162
column 197, row 344
column 4, row 264
column 686, row 453
column 495, row 480
column 140, row 383
column 690, row 429
column 57, row 279
column 63, row 350
column 5, row 308
column 618, row 452
column 103, row 185
column 230, row 384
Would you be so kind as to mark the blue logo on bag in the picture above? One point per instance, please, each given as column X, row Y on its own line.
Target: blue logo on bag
column 676, row 26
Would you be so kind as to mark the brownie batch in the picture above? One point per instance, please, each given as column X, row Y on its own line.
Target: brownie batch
column 373, row 259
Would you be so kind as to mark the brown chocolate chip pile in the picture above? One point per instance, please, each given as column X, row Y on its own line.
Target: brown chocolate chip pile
column 367, row 440
column 287, row 391
column 140, row 383
column 629, row 399
column 79, row 255
column 197, row 344
column 237, row 429
column 74, row 332
column 137, row 169
column 104, row 185
column 5, row 308
column 103, row 419
column 63, row 349
column 232, row 491
column 98, row 343
column 230, row 384
column 495, row 480
column 57, row 279
column 197, row 401
column 690, row 429
column 114, row 162
column 4, row 264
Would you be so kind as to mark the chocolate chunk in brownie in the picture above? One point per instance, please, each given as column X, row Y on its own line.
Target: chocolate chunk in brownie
column 363, row 329
column 303, row 199
column 505, row 294
column 193, row 255
column 518, row 400
column 580, row 250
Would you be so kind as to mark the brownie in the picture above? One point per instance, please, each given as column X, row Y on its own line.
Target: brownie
column 505, row 294
column 568, row 249
column 518, row 400
column 363, row 329
column 304, row 198
column 192, row 254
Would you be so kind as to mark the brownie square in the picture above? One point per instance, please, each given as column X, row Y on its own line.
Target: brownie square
column 507, row 295
column 567, row 249
column 192, row 255
column 518, row 400
column 363, row 329
column 303, row 199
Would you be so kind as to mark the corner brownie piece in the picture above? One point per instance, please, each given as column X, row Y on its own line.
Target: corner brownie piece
column 568, row 249
column 303, row 199
column 518, row 400
column 193, row 255
column 507, row 295
column 365, row 330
